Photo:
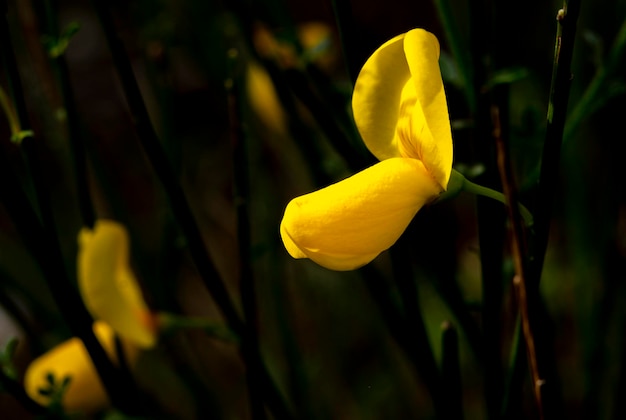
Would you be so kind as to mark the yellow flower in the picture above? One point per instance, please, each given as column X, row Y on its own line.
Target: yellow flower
column 109, row 287
column 400, row 110
column 85, row 392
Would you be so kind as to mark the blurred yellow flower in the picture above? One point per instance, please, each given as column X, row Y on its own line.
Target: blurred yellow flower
column 85, row 392
column 109, row 287
column 315, row 38
column 400, row 110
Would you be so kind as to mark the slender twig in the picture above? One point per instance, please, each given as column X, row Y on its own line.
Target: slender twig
column 519, row 248
column 76, row 140
column 250, row 341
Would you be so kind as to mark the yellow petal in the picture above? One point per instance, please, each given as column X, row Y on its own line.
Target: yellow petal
column 108, row 285
column 435, row 148
column 399, row 103
column 346, row 225
column 376, row 97
column 85, row 392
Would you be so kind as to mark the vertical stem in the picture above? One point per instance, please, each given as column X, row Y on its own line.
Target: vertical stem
column 557, row 110
column 491, row 216
column 76, row 140
column 250, row 340
column 519, row 248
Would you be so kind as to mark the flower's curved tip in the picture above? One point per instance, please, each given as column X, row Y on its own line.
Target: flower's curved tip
column 289, row 222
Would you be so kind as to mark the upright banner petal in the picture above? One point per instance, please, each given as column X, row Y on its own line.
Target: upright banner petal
column 376, row 97
column 435, row 149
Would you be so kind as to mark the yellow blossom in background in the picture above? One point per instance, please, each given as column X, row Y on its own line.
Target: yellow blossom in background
column 109, row 287
column 85, row 392
column 315, row 38
column 400, row 110
column 263, row 98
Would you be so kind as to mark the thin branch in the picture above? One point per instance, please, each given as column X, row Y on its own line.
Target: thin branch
column 250, row 341
column 519, row 248
column 75, row 137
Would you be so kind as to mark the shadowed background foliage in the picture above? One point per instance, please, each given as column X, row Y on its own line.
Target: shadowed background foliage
column 349, row 345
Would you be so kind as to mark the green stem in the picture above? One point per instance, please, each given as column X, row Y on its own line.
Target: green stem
column 459, row 183
column 75, row 137
column 557, row 111
column 250, row 346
